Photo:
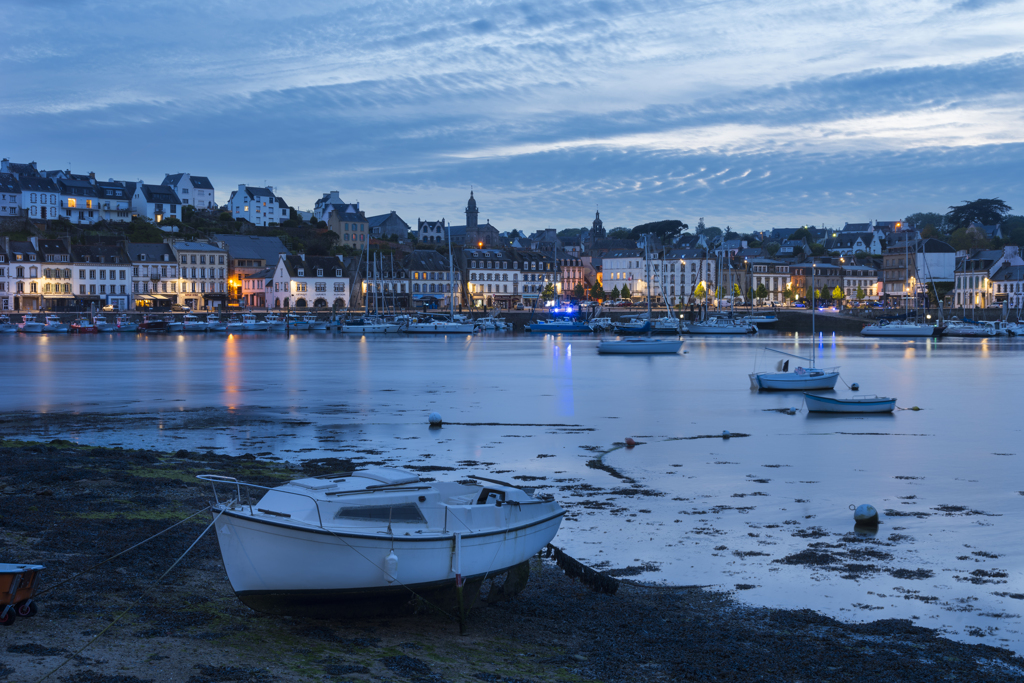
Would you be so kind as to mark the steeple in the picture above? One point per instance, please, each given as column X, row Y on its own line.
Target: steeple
column 471, row 212
column 597, row 224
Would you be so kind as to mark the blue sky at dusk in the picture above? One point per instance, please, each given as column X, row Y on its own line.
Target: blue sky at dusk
column 751, row 114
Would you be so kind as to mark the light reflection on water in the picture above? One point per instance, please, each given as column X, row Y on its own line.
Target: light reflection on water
column 728, row 508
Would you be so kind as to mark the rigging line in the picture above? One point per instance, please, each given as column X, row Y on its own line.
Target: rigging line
column 145, row 594
column 47, row 589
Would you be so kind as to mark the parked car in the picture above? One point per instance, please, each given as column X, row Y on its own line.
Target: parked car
column 178, row 308
column 519, row 306
column 799, row 304
column 110, row 308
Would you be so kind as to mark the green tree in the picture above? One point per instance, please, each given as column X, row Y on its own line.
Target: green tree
column 966, row 239
column 666, row 230
column 625, row 292
column 616, row 294
column 700, row 291
column 224, row 216
column 762, row 292
column 983, row 211
column 569, row 236
column 514, row 234
column 579, row 291
column 597, row 292
column 736, row 289
column 788, row 294
column 549, row 292
column 861, row 293
column 1013, row 230
column 837, row 293
column 928, row 220
column 772, row 248
column 619, row 233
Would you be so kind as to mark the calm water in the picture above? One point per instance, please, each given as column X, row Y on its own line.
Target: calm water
column 702, row 511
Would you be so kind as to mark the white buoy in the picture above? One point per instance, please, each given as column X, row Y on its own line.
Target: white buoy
column 866, row 514
column 391, row 567
column 435, row 419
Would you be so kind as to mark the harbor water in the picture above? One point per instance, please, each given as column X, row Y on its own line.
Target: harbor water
column 765, row 513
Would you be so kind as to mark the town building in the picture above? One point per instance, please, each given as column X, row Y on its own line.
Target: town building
column 247, row 256
column 537, row 271
column 100, row 277
column 192, row 190
column 114, row 200
column 202, row 277
column 849, row 244
column 771, row 274
column 860, row 282
column 431, row 282
column 973, row 286
column 154, row 275
column 39, row 198
column 473, row 234
column 431, row 232
column 825, row 275
column 1008, row 286
column 23, row 273
column 303, row 281
column 156, row 203
column 383, row 284
column 387, row 226
column 570, row 270
column 258, row 205
column 348, row 221
column 493, row 277
column 910, row 264
column 79, row 201
column 10, row 196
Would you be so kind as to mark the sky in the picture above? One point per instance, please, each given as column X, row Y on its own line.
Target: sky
column 750, row 114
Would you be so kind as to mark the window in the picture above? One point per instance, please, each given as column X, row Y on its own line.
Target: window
column 403, row 512
column 337, row 272
column 302, row 272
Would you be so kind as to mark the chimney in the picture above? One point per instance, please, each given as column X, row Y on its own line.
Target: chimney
column 92, row 175
column 241, row 188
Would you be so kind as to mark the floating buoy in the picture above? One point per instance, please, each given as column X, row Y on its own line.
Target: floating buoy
column 629, row 442
column 855, row 386
column 790, row 411
column 435, row 419
column 726, row 434
column 915, row 408
column 865, row 515
column 391, row 566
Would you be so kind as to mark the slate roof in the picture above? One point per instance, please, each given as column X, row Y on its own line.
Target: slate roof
column 159, row 194
column 258, row 192
column 281, row 203
column 52, row 247
column 857, row 227
column 425, row 259
column 183, row 245
column 153, row 251
column 100, row 253
column 377, row 221
column 1009, row 272
column 77, row 187
column 329, row 264
column 9, row 183
column 198, row 181
column 253, row 247
column 37, row 184
column 28, row 170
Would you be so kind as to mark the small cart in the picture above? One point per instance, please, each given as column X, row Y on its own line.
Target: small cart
column 17, row 586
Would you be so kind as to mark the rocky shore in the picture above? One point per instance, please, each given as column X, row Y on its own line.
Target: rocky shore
column 70, row 507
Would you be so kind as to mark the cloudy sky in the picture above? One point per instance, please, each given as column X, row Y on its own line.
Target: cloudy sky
column 752, row 114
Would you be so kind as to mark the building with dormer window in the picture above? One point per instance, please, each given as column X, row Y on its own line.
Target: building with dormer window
column 493, row 277
column 301, row 281
column 258, row 205
column 202, row 273
column 192, row 190
column 157, row 203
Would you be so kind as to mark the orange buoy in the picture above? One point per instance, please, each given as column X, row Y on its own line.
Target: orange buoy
column 629, row 442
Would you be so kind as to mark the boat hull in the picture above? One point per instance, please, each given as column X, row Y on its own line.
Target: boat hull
column 639, row 346
column 900, row 331
column 558, row 328
column 826, row 404
column 280, row 569
column 791, row 381
column 439, row 328
column 383, row 328
column 698, row 328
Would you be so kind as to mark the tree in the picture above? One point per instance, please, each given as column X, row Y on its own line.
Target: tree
column 762, row 292
column 713, row 235
column 788, row 294
column 224, row 216
column 772, row 248
column 700, row 291
column 736, row 289
column 615, row 293
column 983, row 211
column 666, row 230
column 569, row 236
column 817, row 294
column 966, row 239
column 1013, row 230
column 625, row 292
column 514, row 234
column 925, row 221
column 817, row 249
column 861, row 293
column 579, row 291
column 620, row 233
column 700, row 226
column 597, row 292
column 837, row 293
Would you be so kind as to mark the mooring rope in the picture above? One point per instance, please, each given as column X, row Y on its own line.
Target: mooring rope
column 145, row 594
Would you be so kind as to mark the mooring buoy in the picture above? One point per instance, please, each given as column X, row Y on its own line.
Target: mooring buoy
column 435, row 419
column 630, row 442
column 855, row 387
column 726, row 434
column 865, row 515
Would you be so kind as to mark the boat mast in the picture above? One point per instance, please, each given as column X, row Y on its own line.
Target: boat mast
column 814, row 310
column 647, row 258
column 451, row 280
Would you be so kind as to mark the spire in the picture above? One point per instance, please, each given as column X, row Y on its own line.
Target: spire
column 472, row 212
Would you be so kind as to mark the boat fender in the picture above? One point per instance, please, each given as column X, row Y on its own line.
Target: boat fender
column 855, row 387
column 434, row 419
column 391, row 567
column 865, row 515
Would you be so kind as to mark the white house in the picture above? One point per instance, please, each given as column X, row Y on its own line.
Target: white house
column 39, row 198
column 302, row 281
column 192, row 190
column 203, row 273
column 856, row 278
column 773, row 275
column 258, row 205
column 10, row 195
column 156, row 202
column 974, row 284
column 493, row 277
column 154, row 274
column 1008, row 286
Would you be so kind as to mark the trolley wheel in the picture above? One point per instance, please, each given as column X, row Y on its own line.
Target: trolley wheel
column 26, row 609
column 7, row 620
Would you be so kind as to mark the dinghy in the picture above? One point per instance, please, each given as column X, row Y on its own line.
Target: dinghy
column 860, row 404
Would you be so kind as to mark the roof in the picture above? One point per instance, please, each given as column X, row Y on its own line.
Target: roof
column 624, row 253
column 184, row 245
column 281, row 203
column 263, row 274
column 9, row 183
column 99, row 253
column 1009, row 273
column 310, row 264
column 28, row 170
column 77, row 186
column 253, row 247
column 198, row 181
column 259, row 191
column 36, row 184
column 52, row 247
column 934, row 246
column 158, row 194
column 857, row 227
column 425, row 259
column 377, row 221
column 153, row 251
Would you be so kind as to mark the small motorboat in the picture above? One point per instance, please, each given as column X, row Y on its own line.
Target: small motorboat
column 636, row 325
column 859, row 404
column 428, row 325
column 900, row 328
column 30, row 325
column 214, row 324
column 235, row 324
column 6, row 325
column 601, row 324
column 639, row 345
column 370, row 325
column 314, row 325
column 665, row 325
column 372, row 538
column 125, row 324
column 83, row 326
column 296, row 323
column 150, row 325
column 720, row 325
column 275, row 323
column 102, row 325
column 53, row 324
column 175, row 324
column 251, row 324
column 192, row 323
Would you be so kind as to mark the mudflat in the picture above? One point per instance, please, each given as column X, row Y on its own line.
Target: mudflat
column 70, row 507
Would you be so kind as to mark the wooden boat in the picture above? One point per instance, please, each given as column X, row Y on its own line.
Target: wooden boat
column 371, row 538
column 859, row 404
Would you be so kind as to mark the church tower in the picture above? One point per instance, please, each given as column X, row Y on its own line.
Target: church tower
column 597, row 224
column 471, row 213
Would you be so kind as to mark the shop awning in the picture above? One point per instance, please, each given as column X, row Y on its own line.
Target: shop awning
column 216, row 295
column 143, row 297
column 58, row 296
column 159, row 297
column 87, row 297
